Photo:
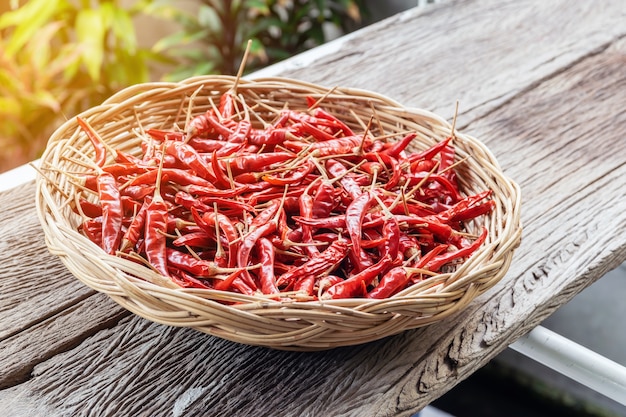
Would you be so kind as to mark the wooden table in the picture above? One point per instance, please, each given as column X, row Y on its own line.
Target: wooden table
column 543, row 84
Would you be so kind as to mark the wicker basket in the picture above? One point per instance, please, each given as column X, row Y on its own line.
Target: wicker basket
column 256, row 320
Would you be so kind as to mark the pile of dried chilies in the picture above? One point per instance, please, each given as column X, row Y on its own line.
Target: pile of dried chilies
column 300, row 208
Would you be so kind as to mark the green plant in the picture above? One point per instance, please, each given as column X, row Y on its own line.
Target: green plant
column 215, row 33
column 57, row 58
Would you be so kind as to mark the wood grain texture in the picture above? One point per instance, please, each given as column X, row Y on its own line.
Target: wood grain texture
column 44, row 310
column 28, row 272
column 482, row 53
column 542, row 84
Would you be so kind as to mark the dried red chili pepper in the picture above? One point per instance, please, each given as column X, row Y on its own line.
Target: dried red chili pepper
column 112, row 212
column 338, row 170
column 154, row 235
column 194, row 239
column 327, row 147
column 323, row 200
column 261, row 226
column 297, row 175
column 134, row 230
column 355, row 213
column 305, row 285
column 437, row 262
column 322, row 114
column 92, row 228
column 431, row 152
column 190, row 158
column 90, row 209
column 163, row 135
column 391, row 233
column 459, row 210
column 271, row 136
column 356, row 285
column 97, row 142
column 178, row 176
column 256, row 162
column 185, row 280
column 396, row 278
column 266, row 274
column 325, row 262
column 196, row 267
column 241, row 132
column 396, row 148
column 222, row 223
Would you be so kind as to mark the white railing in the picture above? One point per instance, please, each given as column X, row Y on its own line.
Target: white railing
column 574, row 361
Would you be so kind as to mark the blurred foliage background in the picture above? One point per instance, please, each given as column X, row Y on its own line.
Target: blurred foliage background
column 60, row 57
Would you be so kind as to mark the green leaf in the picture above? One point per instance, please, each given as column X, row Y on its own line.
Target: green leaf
column 47, row 99
column 124, row 30
column 67, row 62
column 178, row 39
column 263, row 25
column 27, row 20
column 162, row 10
column 186, row 72
column 9, row 107
column 258, row 7
column 257, row 50
column 107, row 13
column 39, row 48
column 218, row 6
column 90, row 32
column 29, row 12
column 142, row 6
column 208, row 18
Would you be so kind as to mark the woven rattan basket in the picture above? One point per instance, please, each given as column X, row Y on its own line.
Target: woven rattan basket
column 254, row 320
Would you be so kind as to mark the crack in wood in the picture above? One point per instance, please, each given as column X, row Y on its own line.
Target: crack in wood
column 534, row 84
column 26, row 354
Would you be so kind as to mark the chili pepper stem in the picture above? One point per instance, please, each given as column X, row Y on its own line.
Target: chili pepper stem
column 281, row 206
column 189, row 136
column 454, row 165
column 359, row 150
column 322, row 98
column 382, row 163
column 349, row 171
column 289, row 253
column 290, row 243
column 417, row 186
column 189, row 249
column 384, row 208
column 242, row 66
column 411, row 258
column 40, row 171
column 377, row 117
column 374, row 178
column 456, row 112
column 404, row 203
column 94, row 136
column 87, row 162
column 229, row 173
column 423, row 271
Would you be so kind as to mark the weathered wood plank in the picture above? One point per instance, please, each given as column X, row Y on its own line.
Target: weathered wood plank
column 546, row 112
column 44, row 309
column 482, row 53
column 31, row 279
column 64, row 330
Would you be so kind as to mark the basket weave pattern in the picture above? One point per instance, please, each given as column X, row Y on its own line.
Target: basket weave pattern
column 306, row 325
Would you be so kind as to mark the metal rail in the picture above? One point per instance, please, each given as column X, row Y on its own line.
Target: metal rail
column 574, row 361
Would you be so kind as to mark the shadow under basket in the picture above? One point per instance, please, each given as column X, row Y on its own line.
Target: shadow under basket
column 257, row 320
